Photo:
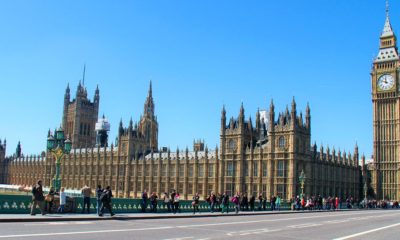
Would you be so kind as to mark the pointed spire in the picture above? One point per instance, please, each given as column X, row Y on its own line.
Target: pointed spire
column 271, row 106
column 150, row 93
column 387, row 28
column 293, row 105
column 130, row 124
column 84, row 72
column 121, row 127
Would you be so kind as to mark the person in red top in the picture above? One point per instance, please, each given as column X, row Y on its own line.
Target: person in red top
column 336, row 203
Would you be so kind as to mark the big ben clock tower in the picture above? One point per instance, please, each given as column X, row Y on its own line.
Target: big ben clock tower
column 386, row 116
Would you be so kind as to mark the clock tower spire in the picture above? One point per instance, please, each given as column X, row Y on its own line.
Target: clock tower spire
column 386, row 115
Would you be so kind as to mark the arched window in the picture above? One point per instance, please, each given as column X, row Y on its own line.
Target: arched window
column 232, row 144
column 282, row 142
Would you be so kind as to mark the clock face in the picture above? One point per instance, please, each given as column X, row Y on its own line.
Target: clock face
column 385, row 82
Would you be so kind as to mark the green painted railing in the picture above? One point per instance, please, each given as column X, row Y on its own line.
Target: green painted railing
column 12, row 204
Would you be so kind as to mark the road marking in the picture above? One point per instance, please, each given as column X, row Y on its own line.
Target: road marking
column 366, row 232
column 306, row 225
column 336, row 221
column 254, row 231
column 183, row 238
column 266, row 220
column 87, row 232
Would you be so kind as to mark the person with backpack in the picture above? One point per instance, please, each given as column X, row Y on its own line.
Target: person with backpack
column 37, row 198
column 106, row 201
column 99, row 191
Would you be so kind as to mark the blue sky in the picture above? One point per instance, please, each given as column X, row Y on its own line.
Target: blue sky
column 199, row 55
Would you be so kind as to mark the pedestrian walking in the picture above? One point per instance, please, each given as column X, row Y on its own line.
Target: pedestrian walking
column 278, row 203
column 172, row 199
column 167, row 201
column 106, row 201
column 213, row 201
column 37, row 198
column 272, row 202
column 153, row 202
column 177, row 200
column 236, row 202
column 99, row 191
column 49, row 200
column 225, row 203
column 260, row 202
column 86, row 192
column 195, row 203
column 145, row 197
column 63, row 201
column 252, row 202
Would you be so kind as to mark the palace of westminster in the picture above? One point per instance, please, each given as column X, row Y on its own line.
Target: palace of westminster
column 265, row 157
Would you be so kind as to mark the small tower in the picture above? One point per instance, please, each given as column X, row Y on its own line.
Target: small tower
column 18, row 150
column 148, row 125
column 80, row 116
column 102, row 129
column 198, row 145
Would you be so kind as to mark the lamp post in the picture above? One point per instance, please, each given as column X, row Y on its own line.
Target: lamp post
column 302, row 179
column 58, row 146
column 365, row 193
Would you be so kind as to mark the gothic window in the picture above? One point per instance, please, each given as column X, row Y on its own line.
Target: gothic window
column 246, row 168
column 281, row 168
column 190, row 188
column 181, row 170
column 255, row 169
column 232, row 144
column 210, row 170
column 281, row 190
column 172, row 170
column 88, row 129
column 155, row 170
column 164, row 170
column 230, row 169
column 282, row 142
column 81, row 129
column 191, row 170
column 201, row 170
column 265, row 172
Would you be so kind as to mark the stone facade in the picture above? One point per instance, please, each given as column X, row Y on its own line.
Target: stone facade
column 383, row 177
column 266, row 158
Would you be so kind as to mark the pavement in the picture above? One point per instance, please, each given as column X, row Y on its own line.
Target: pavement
column 340, row 225
column 131, row 216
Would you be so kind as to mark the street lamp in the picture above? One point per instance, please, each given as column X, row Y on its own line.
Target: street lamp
column 365, row 192
column 302, row 179
column 58, row 146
